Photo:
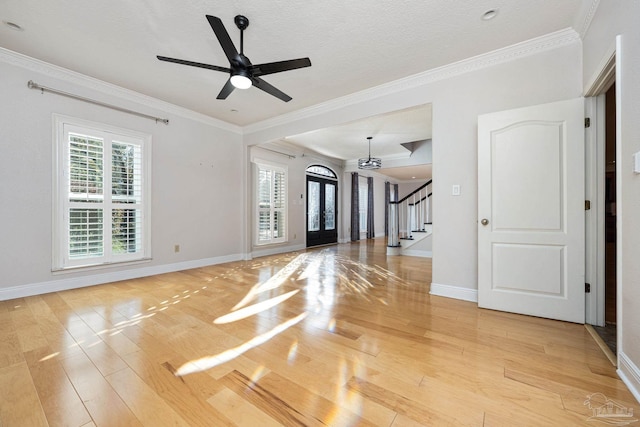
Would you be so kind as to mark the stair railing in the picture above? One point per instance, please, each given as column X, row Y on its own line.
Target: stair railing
column 409, row 214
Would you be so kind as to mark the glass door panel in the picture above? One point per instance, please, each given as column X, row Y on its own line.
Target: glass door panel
column 329, row 206
column 313, row 206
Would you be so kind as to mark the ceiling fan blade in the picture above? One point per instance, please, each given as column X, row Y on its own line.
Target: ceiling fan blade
column 223, row 37
column 271, row 90
column 226, row 90
column 277, row 67
column 194, row 64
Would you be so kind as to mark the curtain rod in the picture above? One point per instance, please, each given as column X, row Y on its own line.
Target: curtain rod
column 33, row 85
column 291, row 156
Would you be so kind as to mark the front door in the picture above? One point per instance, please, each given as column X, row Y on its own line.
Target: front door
column 321, row 211
column 531, row 211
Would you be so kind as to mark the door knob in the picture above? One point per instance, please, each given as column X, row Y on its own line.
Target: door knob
column 484, row 221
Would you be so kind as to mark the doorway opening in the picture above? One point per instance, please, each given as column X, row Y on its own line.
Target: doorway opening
column 603, row 242
column 608, row 331
column 322, row 209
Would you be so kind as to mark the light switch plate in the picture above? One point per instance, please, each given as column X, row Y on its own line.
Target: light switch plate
column 636, row 162
column 455, row 190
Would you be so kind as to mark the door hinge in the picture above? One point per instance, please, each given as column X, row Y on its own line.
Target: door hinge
column 587, row 205
column 587, row 122
column 587, row 288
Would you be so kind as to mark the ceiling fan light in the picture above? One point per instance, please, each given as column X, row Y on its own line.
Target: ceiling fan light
column 240, row 81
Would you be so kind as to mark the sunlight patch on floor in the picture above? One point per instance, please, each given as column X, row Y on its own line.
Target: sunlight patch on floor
column 209, row 362
column 254, row 309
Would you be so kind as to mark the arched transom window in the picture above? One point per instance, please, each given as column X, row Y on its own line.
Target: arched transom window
column 322, row 171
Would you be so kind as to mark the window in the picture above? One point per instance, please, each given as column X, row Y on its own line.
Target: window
column 321, row 170
column 363, row 197
column 271, row 190
column 102, row 181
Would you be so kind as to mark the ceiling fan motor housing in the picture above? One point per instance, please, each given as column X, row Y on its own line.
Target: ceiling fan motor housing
column 242, row 22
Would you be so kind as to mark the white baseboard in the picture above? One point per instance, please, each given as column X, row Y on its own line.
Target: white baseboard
column 630, row 374
column 418, row 253
column 455, row 292
column 274, row 250
column 64, row 284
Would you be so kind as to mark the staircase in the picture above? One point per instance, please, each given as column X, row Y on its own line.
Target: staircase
column 410, row 225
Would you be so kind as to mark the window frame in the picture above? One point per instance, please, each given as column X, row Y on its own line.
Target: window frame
column 273, row 167
column 61, row 259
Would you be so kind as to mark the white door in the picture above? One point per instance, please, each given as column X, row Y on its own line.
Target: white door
column 531, row 211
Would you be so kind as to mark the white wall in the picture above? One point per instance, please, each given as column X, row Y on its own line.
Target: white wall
column 551, row 74
column 379, row 207
column 405, row 188
column 197, row 175
column 615, row 18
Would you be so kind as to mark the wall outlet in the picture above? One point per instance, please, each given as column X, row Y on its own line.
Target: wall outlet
column 176, row 248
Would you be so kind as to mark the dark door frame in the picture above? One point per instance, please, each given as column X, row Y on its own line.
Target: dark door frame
column 322, row 236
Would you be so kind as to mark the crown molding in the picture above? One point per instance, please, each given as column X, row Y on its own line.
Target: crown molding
column 317, row 157
column 13, row 58
column 300, row 152
column 530, row 47
column 586, row 23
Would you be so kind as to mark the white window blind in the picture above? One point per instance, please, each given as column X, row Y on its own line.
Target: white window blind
column 102, row 182
column 126, row 191
column 271, row 195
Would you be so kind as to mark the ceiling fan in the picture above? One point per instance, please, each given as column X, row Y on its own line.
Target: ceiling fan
column 243, row 74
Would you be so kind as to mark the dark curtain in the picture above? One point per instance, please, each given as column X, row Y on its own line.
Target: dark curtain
column 387, row 199
column 395, row 193
column 371, row 232
column 355, row 208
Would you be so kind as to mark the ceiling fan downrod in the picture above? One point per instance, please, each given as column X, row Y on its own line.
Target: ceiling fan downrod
column 242, row 22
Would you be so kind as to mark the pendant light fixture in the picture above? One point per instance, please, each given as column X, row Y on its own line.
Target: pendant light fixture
column 370, row 162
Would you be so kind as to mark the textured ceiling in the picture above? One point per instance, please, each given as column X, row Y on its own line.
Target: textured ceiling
column 353, row 45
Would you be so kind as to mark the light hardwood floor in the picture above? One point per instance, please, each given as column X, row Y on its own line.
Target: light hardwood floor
column 336, row 336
